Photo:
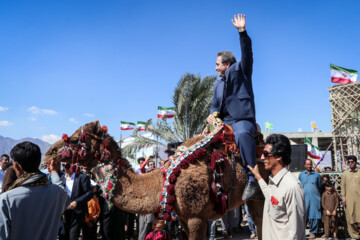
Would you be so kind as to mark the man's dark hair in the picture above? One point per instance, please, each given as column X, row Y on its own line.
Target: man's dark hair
column 5, row 155
column 141, row 159
column 28, row 155
column 280, row 147
column 227, row 56
column 351, row 157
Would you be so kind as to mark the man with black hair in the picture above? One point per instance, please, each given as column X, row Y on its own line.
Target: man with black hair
column 233, row 101
column 311, row 182
column 142, row 162
column 32, row 197
column 350, row 191
column 284, row 207
column 5, row 159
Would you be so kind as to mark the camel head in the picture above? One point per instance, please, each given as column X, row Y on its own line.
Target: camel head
column 88, row 145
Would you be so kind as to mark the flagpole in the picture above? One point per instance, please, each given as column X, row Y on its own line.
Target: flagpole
column 120, row 140
column 157, row 140
column 323, row 156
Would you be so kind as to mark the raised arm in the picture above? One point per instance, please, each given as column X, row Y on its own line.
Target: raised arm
column 239, row 23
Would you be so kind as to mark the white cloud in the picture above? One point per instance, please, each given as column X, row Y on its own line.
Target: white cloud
column 3, row 109
column 36, row 110
column 32, row 118
column 88, row 115
column 73, row 120
column 51, row 138
column 6, row 123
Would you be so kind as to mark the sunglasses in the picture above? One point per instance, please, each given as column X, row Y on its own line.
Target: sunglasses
column 351, row 161
column 266, row 153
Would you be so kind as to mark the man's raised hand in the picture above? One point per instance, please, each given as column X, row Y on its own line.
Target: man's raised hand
column 239, row 22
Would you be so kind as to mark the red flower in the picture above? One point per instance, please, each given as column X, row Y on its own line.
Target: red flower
column 104, row 128
column 65, row 137
column 172, row 179
column 274, row 201
column 167, row 217
column 171, row 199
column 184, row 164
column 191, row 159
column 176, row 171
column 169, row 208
column 199, row 153
column 171, row 189
column 217, row 139
column 109, row 187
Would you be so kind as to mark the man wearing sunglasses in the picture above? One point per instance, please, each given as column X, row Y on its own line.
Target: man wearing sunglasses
column 284, row 207
column 233, row 100
column 350, row 191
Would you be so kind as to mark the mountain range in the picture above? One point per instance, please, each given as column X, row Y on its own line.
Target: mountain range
column 6, row 144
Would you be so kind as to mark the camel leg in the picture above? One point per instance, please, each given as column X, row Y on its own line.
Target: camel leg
column 185, row 228
column 197, row 228
column 256, row 208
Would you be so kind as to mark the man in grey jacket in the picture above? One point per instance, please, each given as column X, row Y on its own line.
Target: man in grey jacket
column 32, row 207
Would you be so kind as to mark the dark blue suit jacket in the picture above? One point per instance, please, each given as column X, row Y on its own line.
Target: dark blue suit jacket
column 239, row 96
column 81, row 192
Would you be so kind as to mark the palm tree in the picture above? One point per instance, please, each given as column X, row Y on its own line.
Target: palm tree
column 192, row 99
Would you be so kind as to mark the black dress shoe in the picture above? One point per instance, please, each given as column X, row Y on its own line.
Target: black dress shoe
column 250, row 190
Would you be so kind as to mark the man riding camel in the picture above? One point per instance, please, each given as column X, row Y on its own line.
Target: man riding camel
column 233, row 100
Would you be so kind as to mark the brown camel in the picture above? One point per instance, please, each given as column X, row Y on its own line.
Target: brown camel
column 141, row 193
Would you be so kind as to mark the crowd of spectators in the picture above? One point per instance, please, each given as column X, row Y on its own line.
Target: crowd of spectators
column 78, row 208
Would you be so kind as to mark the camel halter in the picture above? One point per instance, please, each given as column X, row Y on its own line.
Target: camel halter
column 77, row 151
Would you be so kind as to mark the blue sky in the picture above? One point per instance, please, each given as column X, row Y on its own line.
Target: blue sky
column 66, row 63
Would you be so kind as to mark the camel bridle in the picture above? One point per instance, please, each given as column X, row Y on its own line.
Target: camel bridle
column 79, row 150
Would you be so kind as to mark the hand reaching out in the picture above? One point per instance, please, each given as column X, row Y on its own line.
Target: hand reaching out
column 239, row 22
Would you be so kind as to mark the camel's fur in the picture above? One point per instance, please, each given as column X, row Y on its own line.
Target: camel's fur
column 141, row 193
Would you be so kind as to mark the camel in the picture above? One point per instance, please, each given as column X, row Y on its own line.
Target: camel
column 140, row 194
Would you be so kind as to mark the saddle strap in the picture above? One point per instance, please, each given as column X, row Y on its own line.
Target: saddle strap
column 233, row 178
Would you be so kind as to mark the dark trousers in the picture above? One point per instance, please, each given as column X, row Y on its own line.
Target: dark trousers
column 130, row 219
column 73, row 224
column 244, row 131
column 89, row 233
column 173, row 229
column 112, row 224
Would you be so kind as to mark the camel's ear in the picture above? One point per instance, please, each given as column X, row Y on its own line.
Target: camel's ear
column 96, row 127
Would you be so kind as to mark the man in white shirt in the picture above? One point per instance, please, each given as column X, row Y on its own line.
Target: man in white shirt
column 284, row 207
column 5, row 159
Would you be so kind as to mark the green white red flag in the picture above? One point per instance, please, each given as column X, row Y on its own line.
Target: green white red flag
column 141, row 126
column 164, row 112
column 313, row 151
column 342, row 75
column 127, row 126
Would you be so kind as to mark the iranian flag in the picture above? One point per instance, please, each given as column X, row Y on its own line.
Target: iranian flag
column 342, row 75
column 141, row 126
column 127, row 125
column 313, row 151
column 164, row 112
